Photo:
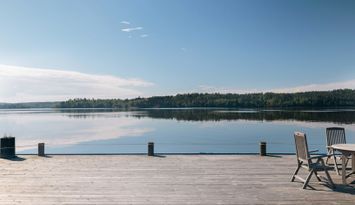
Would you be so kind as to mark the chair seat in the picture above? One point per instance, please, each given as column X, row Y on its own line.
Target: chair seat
column 319, row 167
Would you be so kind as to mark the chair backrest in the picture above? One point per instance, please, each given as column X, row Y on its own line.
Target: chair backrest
column 335, row 135
column 301, row 146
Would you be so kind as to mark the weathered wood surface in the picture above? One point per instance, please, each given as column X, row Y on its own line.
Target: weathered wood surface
column 174, row 179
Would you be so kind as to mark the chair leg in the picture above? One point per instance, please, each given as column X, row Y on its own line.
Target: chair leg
column 318, row 178
column 328, row 176
column 330, row 152
column 336, row 164
column 295, row 173
column 307, row 179
column 346, row 163
column 326, row 161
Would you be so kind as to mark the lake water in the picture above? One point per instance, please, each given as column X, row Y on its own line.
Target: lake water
column 172, row 130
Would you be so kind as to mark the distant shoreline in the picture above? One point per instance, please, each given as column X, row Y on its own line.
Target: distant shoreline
column 336, row 99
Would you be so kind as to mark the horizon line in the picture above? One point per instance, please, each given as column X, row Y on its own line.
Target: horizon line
column 173, row 95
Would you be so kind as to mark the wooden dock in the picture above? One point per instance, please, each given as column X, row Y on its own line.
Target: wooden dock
column 171, row 179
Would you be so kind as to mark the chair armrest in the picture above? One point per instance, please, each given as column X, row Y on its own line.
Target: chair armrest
column 312, row 151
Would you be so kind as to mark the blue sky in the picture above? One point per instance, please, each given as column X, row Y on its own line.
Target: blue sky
column 158, row 47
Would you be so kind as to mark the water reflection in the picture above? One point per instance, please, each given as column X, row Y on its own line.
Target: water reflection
column 342, row 116
column 345, row 117
column 58, row 130
column 173, row 130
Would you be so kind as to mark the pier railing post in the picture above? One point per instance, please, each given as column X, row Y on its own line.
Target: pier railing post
column 262, row 148
column 150, row 148
column 41, row 149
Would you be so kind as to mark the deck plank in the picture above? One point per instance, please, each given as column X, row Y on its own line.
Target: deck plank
column 174, row 179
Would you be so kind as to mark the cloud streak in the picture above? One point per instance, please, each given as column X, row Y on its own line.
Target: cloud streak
column 132, row 29
column 125, row 22
column 25, row 84
column 350, row 84
column 318, row 87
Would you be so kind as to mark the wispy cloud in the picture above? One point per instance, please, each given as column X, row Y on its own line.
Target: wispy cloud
column 350, row 84
column 217, row 89
column 20, row 84
column 132, row 29
column 125, row 22
column 318, row 87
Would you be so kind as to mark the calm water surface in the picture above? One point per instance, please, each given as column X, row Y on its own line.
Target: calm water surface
column 173, row 130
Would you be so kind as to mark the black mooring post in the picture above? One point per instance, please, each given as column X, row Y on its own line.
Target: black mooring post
column 7, row 147
column 41, row 150
column 262, row 148
column 150, row 148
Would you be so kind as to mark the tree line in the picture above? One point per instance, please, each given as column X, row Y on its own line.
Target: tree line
column 335, row 98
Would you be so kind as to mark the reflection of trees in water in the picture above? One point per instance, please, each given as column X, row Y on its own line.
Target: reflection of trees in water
column 345, row 117
column 96, row 113
column 341, row 116
column 92, row 116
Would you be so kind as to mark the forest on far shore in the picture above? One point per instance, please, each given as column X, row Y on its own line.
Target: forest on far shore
column 314, row 99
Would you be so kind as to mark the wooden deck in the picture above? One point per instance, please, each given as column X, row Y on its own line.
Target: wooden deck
column 174, row 179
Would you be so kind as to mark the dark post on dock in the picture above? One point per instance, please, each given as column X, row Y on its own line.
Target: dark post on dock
column 150, row 148
column 7, row 146
column 41, row 150
column 262, row 148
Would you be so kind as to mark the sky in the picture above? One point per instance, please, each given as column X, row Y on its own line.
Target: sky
column 56, row 50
